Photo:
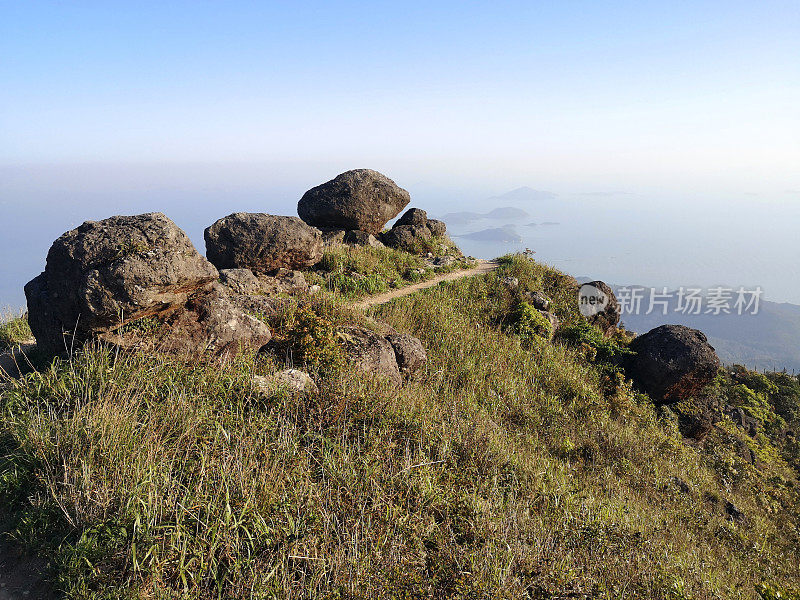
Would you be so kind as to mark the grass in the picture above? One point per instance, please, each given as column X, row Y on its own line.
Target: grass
column 13, row 330
column 507, row 470
column 355, row 272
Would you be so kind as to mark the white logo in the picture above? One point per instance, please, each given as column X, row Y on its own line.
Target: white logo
column 591, row 300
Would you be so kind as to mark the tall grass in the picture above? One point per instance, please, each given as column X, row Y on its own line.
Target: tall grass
column 503, row 471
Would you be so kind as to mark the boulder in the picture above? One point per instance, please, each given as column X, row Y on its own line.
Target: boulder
column 211, row 323
column 410, row 238
column 555, row 323
column 262, row 243
column 537, row 299
column 356, row 237
column 106, row 273
column 672, row 363
column 413, row 216
column 437, row 228
column 360, row 199
column 333, row 237
column 283, row 281
column 292, row 380
column 599, row 305
column 240, row 281
column 409, row 353
column 371, row 353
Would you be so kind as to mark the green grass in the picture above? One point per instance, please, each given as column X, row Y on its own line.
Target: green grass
column 13, row 330
column 355, row 272
column 505, row 471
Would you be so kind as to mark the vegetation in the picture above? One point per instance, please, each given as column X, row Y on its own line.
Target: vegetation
column 503, row 471
column 13, row 330
column 354, row 272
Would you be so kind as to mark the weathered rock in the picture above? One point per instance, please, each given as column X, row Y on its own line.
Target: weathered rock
column 292, row 380
column 260, row 305
column 240, row 281
column 371, row 353
column 437, row 228
column 410, row 238
column 210, row 323
column 409, row 353
column 511, row 282
column 333, row 237
column 361, row 238
column 599, row 305
column 262, row 243
column 413, row 216
column 360, row 199
column 555, row 323
column 283, row 281
column 106, row 273
column 672, row 363
column 537, row 299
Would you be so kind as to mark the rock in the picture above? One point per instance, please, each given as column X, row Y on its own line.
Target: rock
column 437, row 228
column 106, row 273
column 371, row 353
column 443, row 261
column 733, row 512
column 672, row 363
column 260, row 305
column 511, row 282
column 313, row 289
column 211, row 323
column 413, row 216
column 361, row 199
column 599, row 305
column 410, row 238
column 743, row 420
column 291, row 380
column 333, row 237
column 409, row 353
column 262, row 243
column 537, row 299
column 361, row 238
column 240, row 281
column 283, row 281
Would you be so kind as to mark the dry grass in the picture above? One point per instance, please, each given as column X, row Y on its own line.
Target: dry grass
column 502, row 472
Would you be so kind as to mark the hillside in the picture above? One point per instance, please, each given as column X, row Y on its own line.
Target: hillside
column 509, row 467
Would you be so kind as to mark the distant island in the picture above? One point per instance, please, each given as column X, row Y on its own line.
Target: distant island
column 507, row 234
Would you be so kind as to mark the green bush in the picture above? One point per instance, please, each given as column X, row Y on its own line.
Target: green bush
column 530, row 324
column 14, row 330
column 580, row 334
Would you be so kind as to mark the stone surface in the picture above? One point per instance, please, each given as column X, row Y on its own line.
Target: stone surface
column 333, row 237
column 361, row 238
column 106, row 273
column 409, row 352
column 605, row 315
column 211, row 323
column 360, row 199
column 555, row 323
column 371, row 353
column 537, row 299
column 437, row 228
column 240, row 281
column 672, row 363
column 283, row 281
column 413, row 216
column 262, row 243
column 410, row 238
column 292, row 380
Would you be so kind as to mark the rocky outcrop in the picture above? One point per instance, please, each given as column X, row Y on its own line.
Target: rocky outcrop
column 356, row 237
column 371, row 353
column 361, row 199
column 599, row 305
column 672, row 363
column 106, row 273
column 240, row 281
column 412, row 231
column 262, row 243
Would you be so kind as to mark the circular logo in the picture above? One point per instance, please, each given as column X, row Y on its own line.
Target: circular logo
column 591, row 300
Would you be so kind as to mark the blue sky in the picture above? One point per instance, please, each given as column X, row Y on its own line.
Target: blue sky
column 598, row 94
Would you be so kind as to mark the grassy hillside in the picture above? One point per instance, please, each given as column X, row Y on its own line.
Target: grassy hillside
column 513, row 467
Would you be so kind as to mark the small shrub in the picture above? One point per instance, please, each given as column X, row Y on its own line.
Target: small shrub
column 531, row 325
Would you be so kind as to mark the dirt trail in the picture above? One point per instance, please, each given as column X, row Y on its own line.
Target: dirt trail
column 482, row 267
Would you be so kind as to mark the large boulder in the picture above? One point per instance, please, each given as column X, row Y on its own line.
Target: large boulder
column 672, row 363
column 599, row 305
column 262, row 243
column 410, row 238
column 106, row 273
column 360, row 199
column 413, row 216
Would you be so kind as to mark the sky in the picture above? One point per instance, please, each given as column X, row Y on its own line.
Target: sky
column 675, row 95
column 672, row 127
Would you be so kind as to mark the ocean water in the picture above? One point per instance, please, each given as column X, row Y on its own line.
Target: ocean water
column 650, row 240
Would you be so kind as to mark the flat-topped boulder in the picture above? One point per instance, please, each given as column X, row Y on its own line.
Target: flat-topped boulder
column 361, row 199
column 262, row 243
column 106, row 273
